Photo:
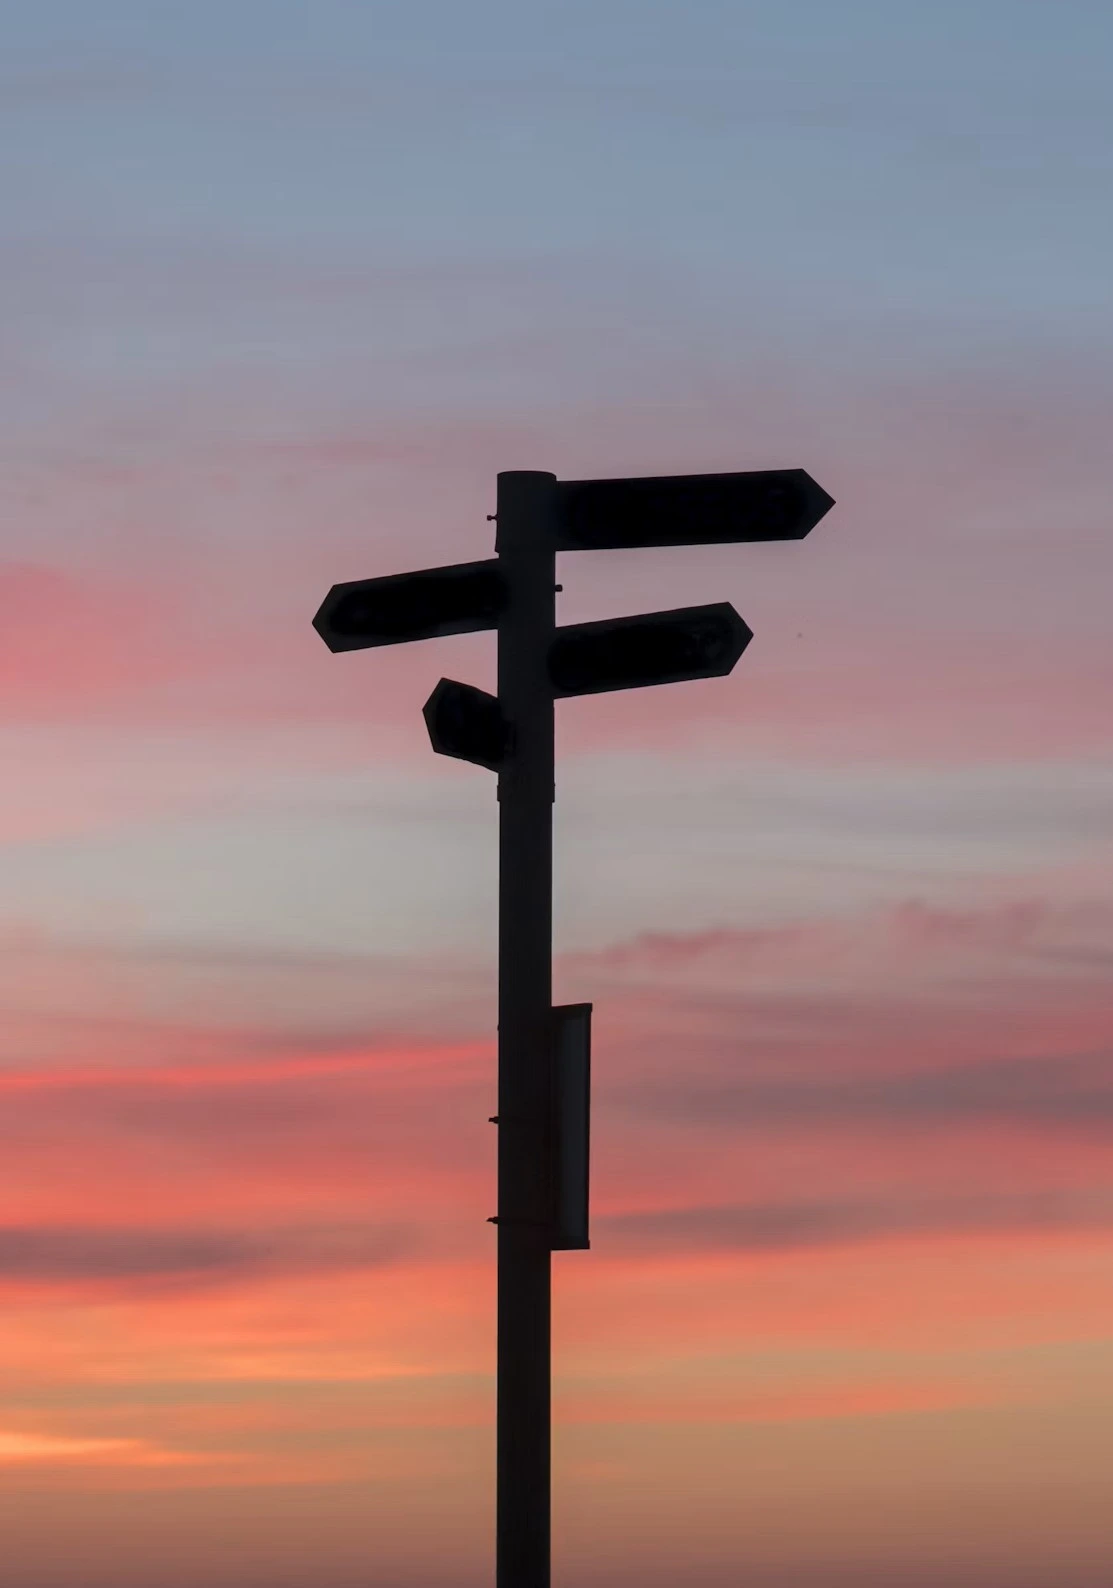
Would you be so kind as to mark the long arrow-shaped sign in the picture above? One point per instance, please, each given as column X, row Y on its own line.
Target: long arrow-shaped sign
column 460, row 599
column 688, row 509
column 653, row 648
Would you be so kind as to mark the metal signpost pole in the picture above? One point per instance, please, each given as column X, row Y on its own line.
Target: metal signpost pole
column 525, row 545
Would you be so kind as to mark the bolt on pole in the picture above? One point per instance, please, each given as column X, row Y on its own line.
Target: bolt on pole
column 525, row 544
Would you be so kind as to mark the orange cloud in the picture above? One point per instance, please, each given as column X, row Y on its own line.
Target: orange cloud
column 848, row 1402
column 17, row 1449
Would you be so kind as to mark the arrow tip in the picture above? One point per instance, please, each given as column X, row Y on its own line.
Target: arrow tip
column 816, row 501
column 323, row 626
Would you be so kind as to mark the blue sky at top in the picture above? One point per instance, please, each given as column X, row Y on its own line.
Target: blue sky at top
column 944, row 165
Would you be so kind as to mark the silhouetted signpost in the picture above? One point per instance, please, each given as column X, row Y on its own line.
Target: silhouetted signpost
column 544, row 1053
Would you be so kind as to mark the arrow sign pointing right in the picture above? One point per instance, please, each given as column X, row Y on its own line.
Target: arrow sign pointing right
column 652, row 648
column 688, row 509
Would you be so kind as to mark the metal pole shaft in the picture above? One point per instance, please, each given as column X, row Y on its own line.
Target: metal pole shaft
column 524, row 544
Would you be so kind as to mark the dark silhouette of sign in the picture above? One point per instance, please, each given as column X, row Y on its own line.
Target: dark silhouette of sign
column 688, row 509
column 467, row 723
column 653, row 648
column 571, row 1126
column 412, row 606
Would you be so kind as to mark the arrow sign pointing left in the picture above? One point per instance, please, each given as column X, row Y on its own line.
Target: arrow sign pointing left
column 467, row 723
column 460, row 599
column 653, row 648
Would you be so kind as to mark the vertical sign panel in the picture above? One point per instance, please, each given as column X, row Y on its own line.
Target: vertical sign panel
column 571, row 1125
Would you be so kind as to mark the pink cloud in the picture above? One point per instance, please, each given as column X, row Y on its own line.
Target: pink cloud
column 886, row 1133
column 850, row 1047
column 1052, row 943
column 68, row 643
column 845, row 1402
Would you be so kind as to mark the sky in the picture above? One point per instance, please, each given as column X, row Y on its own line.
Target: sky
column 284, row 287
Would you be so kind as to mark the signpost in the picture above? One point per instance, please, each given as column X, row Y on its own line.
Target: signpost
column 544, row 1054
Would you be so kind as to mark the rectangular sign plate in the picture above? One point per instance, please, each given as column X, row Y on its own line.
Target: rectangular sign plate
column 571, row 1126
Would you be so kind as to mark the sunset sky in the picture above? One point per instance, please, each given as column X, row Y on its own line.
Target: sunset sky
column 284, row 286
